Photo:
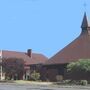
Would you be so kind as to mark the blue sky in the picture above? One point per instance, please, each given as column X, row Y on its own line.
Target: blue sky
column 45, row 26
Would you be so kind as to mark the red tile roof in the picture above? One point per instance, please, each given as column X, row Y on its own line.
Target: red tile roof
column 35, row 59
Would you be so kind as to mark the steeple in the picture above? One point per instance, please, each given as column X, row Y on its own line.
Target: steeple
column 85, row 23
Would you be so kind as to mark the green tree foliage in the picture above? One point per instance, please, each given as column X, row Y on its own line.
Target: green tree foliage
column 81, row 65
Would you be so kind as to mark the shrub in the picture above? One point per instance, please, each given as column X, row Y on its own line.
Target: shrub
column 67, row 81
column 81, row 65
column 76, row 82
column 35, row 76
column 84, row 82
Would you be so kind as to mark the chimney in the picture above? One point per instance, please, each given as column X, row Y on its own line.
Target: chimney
column 29, row 53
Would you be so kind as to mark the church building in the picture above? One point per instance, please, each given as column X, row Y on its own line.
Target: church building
column 76, row 50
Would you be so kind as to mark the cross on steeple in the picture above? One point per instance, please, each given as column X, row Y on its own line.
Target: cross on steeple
column 85, row 5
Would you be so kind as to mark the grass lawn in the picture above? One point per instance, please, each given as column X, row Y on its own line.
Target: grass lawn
column 32, row 82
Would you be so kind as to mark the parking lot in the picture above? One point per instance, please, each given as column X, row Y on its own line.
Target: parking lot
column 13, row 86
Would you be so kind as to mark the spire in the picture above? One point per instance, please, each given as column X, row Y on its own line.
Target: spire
column 85, row 23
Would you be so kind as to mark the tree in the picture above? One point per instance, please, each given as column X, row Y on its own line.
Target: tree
column 81, row 65
column 13, row 66
column 79, row 70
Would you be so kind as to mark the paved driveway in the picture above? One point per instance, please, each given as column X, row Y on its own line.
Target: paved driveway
column 8, row 86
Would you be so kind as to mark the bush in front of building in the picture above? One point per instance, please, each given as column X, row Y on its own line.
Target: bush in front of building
column 84, row 82
column 35, row 76
column 79, row 70
column 81, row 65
column 73, row 82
